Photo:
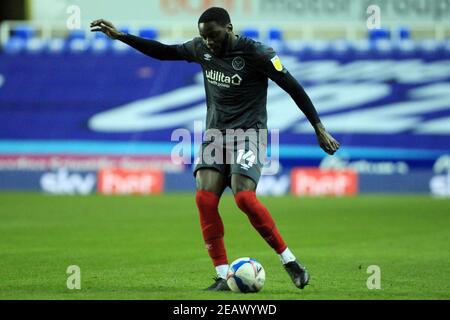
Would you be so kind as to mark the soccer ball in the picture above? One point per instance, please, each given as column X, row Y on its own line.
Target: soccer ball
column 246, row 275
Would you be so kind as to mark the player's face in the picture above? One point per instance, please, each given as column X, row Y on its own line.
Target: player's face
column 215, row 36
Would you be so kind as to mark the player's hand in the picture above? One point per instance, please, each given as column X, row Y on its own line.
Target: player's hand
column 107, row 28
column 326, row 141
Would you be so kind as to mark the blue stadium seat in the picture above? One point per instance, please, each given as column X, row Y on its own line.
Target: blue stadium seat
column 120, row 47
column 294, row 46
column 405, row 49
column 100, row 45
column 76, row 34
column 56, row 46
column 149, row 33
column 431, row 48
column 250, row 33
column 23, row 32
column 404, row 33
column 362, row 49
column 341, row 48
column 383, row 49
column 35, row 45
column 14, row 45
column 316, row 49
column 124, row 29
column 275, row 39
column 79, row 45
column 275, row 34
column 379, row 34
column 429, row 45
column 100, row 35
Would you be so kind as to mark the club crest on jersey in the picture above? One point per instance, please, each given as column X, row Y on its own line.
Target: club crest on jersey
column 238, row 63
column 207, row 57
column 277, row 63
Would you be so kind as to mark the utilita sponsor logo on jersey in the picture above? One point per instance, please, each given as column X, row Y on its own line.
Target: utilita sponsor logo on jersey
column 316, row 182
column 122, row 181
column 220, row 79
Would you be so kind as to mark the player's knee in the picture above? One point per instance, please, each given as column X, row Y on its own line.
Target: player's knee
column 210, row 181
column 206, row 201
column 246, row 200
column 208, row 188
column 240, row 183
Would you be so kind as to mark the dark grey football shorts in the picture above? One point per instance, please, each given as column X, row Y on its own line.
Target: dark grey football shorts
column 244, row 156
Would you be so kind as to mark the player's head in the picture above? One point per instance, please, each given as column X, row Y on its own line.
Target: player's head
column 215, row 28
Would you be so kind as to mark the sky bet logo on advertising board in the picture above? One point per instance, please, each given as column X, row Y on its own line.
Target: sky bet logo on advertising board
column 220, row 79
column 64, row 182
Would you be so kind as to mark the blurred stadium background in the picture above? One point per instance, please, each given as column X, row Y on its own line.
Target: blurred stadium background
column 82, row 115
column 76, row 106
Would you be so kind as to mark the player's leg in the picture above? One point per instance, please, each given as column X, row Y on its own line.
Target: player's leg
column 244, row 190
column 210, row 185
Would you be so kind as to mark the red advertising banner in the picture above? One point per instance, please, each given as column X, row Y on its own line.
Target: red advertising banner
column 122, row 181
column 317, row 182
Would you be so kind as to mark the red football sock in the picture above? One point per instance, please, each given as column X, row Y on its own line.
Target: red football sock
column 212, row 226
column 261, row 219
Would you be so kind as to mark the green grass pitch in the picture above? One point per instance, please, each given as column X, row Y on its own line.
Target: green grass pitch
column 151, row 247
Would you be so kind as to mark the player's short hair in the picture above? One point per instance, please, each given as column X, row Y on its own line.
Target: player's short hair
column 219, row 15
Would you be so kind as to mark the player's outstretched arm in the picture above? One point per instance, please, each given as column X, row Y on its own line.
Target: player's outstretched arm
column 150, row 48
column 298, row 94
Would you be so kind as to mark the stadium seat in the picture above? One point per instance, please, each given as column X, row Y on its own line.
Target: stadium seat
column 76, row 34
column 149, row 33
column 429, row 45
column 362, row 49
column 124, row 29
column 56, row 46
column 35, row 45
column 294, row 46
column 14, row 45
column 379, row 34
column 100, row 45
column 404, row 33
column 430, row 48
column 381, row 49
column 23, row 32
column 120, row 47
column 100, row 35
column 275, row 39
column 405, row 49
column 250, row 33
column 275, row 34
column 340, row 46
column 319, row 48
column 79, row 45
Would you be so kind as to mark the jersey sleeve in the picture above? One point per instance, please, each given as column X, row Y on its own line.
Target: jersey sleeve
column 188, row 50
column 269, row 63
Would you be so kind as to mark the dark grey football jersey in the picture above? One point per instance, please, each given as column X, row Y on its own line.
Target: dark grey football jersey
column 236, row 84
